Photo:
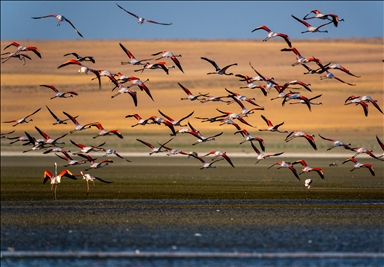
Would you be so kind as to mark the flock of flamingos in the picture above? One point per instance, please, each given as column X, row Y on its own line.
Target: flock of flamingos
column 53, row 145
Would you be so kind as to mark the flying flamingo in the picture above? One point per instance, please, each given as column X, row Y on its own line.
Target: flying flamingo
column 329, row 75
column 56, row 149
column 209, row 98
column 23, row 120
column 56, row 178
column 36, row 143
column 218, row 154
column 206, row 165
column 153, row 148
column 381, row 145
column 336, row 143
column 336, row 67
column 158, row 65
column 251, row 85
column 250, row 138
column 228, row 121
column 86, row 149
column 112, row 152
column 306, row 168
column 309, row 101
column 220, row 71
column 80, row 58
column 167, row 54
column 296, row 133
column 140, row 120
column 300, row 60
column 3, row 135
column 126, row 90
column 211, row 119
column 132, row 59
column 241, row 97
column 283, row 164
column 311, row 28
column 261, row 156
column 172, row 151
column 24, row 48
column 358, row 101
column 234, row 116
column 60, row 18
column 58, row 121
column 292, row 95
column 94, row 164
column 244, row 111
column 177, row 122
column 365, row 98
column 271, row 127
column 141, row 20
column 60, row 94
column 272, row 34
column 20, row 56
column 318, row 15
column 358, row 165
column 159, row 120
column 83, row 69
column 103, row 132
column 90, row 178
column 78, row 126
column 140, row 84
column 270, row 81
column 70, row 160
column 361, row 150
column 201, row 138
column 22, row 138
column 48, row 140
column 190, row 95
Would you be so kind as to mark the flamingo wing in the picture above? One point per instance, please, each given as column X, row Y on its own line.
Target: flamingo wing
column 136, row 16
column 73, row 26
column 155, row 22
column 212, row 62
column 302, row 21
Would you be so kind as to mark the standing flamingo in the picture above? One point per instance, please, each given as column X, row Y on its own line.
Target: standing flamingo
column 90, row 178
column 271, row 127
column 220, row 71
column 272, row 34
column 296, row 133
column 132, row 59
column 306, row 168
column 283, row 164
column 60, row 94
column 311, row 28
column 60, row 18
column 167, row 54
column 56, row 178
column 24, row 48
column 358, row 165
column 141, row 20
column 261, row 156
column 23, row 120
column 218, row 154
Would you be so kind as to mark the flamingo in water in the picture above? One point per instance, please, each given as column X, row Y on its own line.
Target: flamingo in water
column 90, row 178
column 56, row 178
column 60, row 18
column 141, row 20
